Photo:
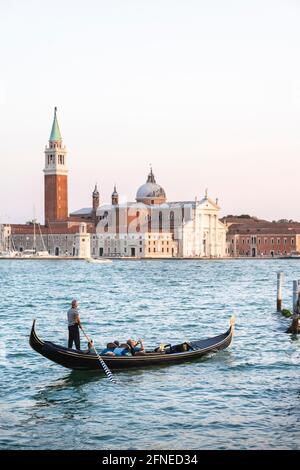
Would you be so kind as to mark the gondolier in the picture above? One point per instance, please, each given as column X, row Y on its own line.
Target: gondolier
column 74, row 325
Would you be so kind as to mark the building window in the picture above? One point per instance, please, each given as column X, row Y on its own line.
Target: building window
column 160, row 221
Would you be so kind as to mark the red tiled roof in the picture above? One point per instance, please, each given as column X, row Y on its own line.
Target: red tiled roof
column 55, row 229
column 264, row 227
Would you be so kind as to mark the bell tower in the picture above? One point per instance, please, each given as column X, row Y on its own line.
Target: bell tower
column 56, row 177
column 115, row 197
column 96, row 199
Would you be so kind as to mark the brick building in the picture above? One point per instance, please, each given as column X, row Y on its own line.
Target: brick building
column 261, row 238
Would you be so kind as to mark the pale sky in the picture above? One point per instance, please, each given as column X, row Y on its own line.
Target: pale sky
column 208, row 92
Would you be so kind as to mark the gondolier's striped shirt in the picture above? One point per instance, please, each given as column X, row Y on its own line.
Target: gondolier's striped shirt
column 73, row 314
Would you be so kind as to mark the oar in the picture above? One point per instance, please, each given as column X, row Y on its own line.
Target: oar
column 104, row 366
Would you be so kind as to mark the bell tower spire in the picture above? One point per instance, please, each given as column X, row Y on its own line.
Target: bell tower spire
column 56, row 176
column 55, row 135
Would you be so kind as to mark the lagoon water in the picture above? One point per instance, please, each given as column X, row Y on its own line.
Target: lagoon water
column 246, row 397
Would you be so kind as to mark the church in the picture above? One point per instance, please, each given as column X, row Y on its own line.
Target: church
column 148, row 227
column 152, row 227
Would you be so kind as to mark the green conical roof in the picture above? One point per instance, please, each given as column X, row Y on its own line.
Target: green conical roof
column 55, row 132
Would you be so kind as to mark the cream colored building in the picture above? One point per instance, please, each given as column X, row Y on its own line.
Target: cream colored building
column 151, row 227
column 5, row 238
column 83, row 242
column 146, row 245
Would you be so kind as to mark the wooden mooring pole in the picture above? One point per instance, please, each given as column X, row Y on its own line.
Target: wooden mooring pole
column 296, row 290
column 279, row 291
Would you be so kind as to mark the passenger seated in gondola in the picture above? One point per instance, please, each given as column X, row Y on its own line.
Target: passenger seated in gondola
column 114, row 349
column 122, row 350
column 136, row 347
column 110, row 347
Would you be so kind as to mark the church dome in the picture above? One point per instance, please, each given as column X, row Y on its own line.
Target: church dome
column 151, row 192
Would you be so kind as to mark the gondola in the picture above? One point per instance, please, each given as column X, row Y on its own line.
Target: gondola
column 81, row 360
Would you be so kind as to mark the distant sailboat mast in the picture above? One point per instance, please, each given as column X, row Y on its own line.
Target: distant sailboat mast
column 44, row 247
column 34, row 234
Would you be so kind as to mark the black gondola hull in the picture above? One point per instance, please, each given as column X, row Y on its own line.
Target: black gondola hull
column 79, row 360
